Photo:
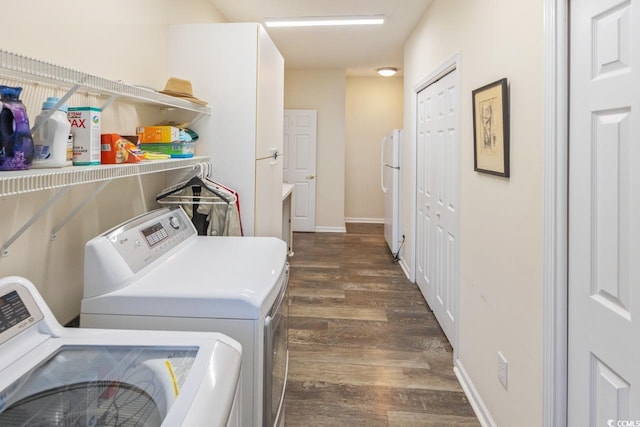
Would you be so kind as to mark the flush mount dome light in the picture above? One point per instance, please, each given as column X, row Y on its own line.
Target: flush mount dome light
column 387, row 71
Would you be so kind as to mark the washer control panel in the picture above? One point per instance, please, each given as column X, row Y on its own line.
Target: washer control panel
column 145, row 239
column 18, row 310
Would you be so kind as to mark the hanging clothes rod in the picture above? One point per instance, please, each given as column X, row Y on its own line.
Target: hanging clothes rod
column 182, row 192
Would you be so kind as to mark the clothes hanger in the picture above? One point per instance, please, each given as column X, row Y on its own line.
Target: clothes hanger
column 194, row 180
column 231, row 194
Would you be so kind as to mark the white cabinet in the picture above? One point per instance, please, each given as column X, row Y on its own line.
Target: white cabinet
column 237, row 68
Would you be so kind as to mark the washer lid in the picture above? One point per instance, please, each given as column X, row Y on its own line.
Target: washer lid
column 112, row 385
column 188, row 379
column 214, row 277
column 165, row 378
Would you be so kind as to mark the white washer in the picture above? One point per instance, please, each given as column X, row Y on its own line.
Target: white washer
column 155, row 272
column 54, row 376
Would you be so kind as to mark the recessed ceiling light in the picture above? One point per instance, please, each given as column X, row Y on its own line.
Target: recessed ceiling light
column 315, row 21
column 387, row 71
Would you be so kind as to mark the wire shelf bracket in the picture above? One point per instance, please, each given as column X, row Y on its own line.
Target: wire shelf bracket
column 4, row 249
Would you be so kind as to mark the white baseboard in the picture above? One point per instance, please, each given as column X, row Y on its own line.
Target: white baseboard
column 481, row 410
column 324, row 229
column 405, row 268
column 365, row 220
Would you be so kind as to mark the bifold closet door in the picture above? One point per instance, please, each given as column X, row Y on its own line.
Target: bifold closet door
column 437, row 247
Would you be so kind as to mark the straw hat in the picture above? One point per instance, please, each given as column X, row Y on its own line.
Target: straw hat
column 181, row 89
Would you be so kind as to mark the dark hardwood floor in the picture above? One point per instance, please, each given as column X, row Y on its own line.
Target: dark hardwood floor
column 364, row 348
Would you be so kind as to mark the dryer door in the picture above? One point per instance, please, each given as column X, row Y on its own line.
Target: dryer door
column 276, row 357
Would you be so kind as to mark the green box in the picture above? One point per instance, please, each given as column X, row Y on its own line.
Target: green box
column 174, row 149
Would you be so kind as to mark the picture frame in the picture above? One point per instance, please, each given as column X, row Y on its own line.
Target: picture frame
column 491, row 129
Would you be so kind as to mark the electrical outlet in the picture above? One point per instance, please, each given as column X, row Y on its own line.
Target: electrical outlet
column 503, row 369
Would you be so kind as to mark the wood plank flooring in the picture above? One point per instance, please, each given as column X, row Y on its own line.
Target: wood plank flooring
column 364, row 348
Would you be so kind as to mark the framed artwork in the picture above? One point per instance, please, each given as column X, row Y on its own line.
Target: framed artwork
column 491, row 129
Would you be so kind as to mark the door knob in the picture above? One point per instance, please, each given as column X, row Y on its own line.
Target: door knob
column 438, row 214
column 310, row 176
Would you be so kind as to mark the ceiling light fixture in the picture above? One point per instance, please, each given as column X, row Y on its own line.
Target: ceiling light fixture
column 387, row 71
column 315, row 21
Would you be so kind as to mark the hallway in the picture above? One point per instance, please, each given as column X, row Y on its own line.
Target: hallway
column 364, row 349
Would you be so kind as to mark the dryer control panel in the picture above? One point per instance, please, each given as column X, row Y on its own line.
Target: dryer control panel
column 146, row 238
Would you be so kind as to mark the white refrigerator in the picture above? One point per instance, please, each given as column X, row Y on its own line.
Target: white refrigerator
column 390, row 183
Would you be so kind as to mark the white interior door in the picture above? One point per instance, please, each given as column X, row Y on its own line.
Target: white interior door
column 604, row 219
column 300, row 165
column 437, row 247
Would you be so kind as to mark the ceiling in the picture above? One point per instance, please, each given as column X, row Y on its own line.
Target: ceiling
column 360, row 50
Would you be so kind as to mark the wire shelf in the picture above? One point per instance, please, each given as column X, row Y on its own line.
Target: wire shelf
column 19, row 182
column 32, row 70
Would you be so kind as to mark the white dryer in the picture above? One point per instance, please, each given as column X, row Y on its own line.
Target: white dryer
column 54, row 376
column 155, row 272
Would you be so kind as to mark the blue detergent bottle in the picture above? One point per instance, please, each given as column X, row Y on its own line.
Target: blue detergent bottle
column 16, row 144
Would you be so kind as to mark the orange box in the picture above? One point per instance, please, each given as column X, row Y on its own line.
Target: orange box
column 158, row 134
column 115, row 149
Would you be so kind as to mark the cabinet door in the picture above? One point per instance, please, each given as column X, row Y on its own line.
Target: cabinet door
column 268, row 198
column 270, row 97
column 269, row 137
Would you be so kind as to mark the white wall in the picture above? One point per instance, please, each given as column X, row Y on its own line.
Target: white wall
column 500, row 218
column 374, row 105
column 324, row 90
column 116, row 39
